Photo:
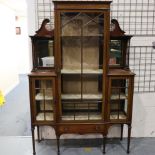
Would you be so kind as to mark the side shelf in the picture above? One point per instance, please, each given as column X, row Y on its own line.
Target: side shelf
column 83, row 96
column 84, row 71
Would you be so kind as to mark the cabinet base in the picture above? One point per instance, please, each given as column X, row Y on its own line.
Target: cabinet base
column 82, row 129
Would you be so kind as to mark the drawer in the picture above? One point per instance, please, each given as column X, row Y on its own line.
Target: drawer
column 81, row 129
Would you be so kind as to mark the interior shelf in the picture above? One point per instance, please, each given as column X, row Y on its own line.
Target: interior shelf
column 117, row 96
column 48, row 116
column 82, row 116
column 114, row 115
column 41, row 96
column 114, row 64
column 83, row 96
column 84, row 71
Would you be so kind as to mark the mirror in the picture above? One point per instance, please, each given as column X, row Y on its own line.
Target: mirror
column 44, row 54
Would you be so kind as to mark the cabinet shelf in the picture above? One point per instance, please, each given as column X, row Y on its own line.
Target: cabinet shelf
column 41, row 96
column 84, row 71
column 48, row 116
column 81, row 116
column 114, row 115
column 83, row 96
column 117, row 96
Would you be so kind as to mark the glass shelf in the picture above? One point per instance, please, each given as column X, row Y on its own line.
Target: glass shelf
column 41, row 96
column 115, row 116
column 83, row 96
column 46, row 116
column 118, row 96
column 84, row 71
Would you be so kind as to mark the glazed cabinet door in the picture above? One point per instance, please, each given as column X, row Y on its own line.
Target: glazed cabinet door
column 82, row 50
column 120, row 99
column 42, row 99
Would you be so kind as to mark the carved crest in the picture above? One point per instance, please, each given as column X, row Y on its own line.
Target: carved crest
column 115, row 28
column 43, row 32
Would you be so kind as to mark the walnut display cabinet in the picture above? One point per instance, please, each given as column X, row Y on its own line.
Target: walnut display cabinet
column 81, row 84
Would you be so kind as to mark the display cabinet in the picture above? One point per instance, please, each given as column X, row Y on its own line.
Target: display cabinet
column 120, row 99
column 42, row 97
column 42, row 101
column 120, row 95
column 89, row 87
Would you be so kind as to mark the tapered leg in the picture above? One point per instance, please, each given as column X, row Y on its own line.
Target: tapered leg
column 104, row 143
column 38, row 133
column 129, row 136
column 122, row 125
column 33, row 140
column 58, row 144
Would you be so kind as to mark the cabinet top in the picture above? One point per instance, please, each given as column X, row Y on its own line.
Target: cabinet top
column 100, row 1
column 83, row 5
column 42, row 74
column 120, row 72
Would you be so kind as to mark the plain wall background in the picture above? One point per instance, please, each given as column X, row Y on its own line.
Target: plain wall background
column 8, row 50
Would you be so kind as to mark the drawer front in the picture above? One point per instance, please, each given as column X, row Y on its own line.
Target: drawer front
column 81, row 129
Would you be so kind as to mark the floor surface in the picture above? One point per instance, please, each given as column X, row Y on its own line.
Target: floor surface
column 15, row 114
column 23, row 146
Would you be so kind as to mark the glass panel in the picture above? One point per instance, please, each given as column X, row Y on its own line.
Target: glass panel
column 44, row 100
column 93, row 24
column 82, row 65
column 44, row 53
column 86, row 110
column 115, row 53
column 71, row 55
column 92, row 87
column 71, row 87
column 92, row 55
column 82, row 24
column 119, row 99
